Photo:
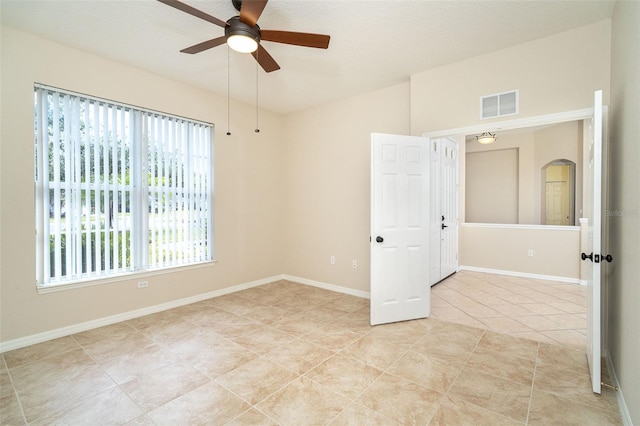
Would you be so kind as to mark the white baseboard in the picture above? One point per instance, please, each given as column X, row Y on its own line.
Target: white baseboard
column 101, row 322
column 521, row 274
column 622, row 404
column 326, row 286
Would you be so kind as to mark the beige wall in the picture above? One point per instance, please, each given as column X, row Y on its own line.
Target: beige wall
column 506, row 248
column 248, row 179
column 553, row 74
column 491, row 186
column 327, row 184
column 623, row 291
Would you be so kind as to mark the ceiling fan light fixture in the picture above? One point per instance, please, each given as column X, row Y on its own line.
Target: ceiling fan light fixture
column 486, row 138
column 242, row 43
column 241, row 37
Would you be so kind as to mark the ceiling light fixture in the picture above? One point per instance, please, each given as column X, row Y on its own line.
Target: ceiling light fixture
column 486, row 138
column 241, row 37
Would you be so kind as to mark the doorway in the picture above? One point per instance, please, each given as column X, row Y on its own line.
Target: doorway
column 558, row 197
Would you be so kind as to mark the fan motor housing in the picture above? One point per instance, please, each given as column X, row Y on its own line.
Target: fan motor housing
column 237, row 27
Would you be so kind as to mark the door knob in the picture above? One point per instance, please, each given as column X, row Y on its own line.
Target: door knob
column 379, row 239
column 585, row 256
column 444, row 226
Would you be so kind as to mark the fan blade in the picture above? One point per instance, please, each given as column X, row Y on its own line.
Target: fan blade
column 251, row 10
column 265, row 60
column 200, row 47
column 319, row 41
column 193, row 11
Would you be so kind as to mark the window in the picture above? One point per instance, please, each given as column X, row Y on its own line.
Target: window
column 118, row 189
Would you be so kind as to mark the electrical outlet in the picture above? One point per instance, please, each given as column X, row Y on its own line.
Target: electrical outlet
column 332, row 260
column 143, row 284
column 530, row 253
column 354, row 264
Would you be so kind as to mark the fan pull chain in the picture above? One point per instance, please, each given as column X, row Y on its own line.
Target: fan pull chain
column 228, row 93
column 257, row 56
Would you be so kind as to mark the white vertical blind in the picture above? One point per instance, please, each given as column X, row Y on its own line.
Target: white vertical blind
column 118, row 189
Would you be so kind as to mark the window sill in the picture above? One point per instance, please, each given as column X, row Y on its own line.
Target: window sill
column 130, row 276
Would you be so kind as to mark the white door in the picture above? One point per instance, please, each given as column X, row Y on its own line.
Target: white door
column 443, row 214
column 449, row 208
column 593, row 213
column 399, row 228
column 435, row 213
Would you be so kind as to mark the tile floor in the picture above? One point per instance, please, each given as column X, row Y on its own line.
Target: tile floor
column 290, row 354
column 546, row 311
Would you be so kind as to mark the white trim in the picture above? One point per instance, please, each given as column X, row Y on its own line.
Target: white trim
column 622, row 404
column 521, row 274
column 518, row 226
column 326, row 286
column 101, row 322
column 540, row 120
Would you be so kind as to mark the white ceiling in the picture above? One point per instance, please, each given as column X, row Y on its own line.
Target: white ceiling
column 374, row 44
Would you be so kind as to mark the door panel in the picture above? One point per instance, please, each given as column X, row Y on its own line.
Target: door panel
column 399, row 217
column 449, row 208
column 593, row 213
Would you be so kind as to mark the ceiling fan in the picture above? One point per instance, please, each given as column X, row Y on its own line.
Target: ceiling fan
column 243, row 34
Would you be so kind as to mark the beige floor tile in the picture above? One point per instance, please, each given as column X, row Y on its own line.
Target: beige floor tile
column 453, row 411
column 333, row 339
column 111, row 407
column 509, row 345
column 55, row 397
column 535, row 336
column 537, row 322
column 344, row 375
column 115, row 332
column 116, row 346
column 137, row 363
column 503, row 396
column 249, row 418
column 403, row 401
column 10, row 412
column 375, row 352
column 569, row 338
column 155, row 388
column 54, row 368
column 153, row 320
column 356, row 414
column 501, row 365
column 569, row 307
column 207, row 403
column 504, row 325
column 303, row 402
column 561, row 357
column 299, row 355
column 427, row 371
column 256, row 380
column 39, row 351
column 397, row 373
column 447, row 348
column 547, row 408
column 6, row 388
column 262, row 338
column 573, row 385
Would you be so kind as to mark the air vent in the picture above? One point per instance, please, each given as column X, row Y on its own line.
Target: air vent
column 499, row 104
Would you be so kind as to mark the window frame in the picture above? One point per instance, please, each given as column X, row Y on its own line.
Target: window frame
column 138, row 203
